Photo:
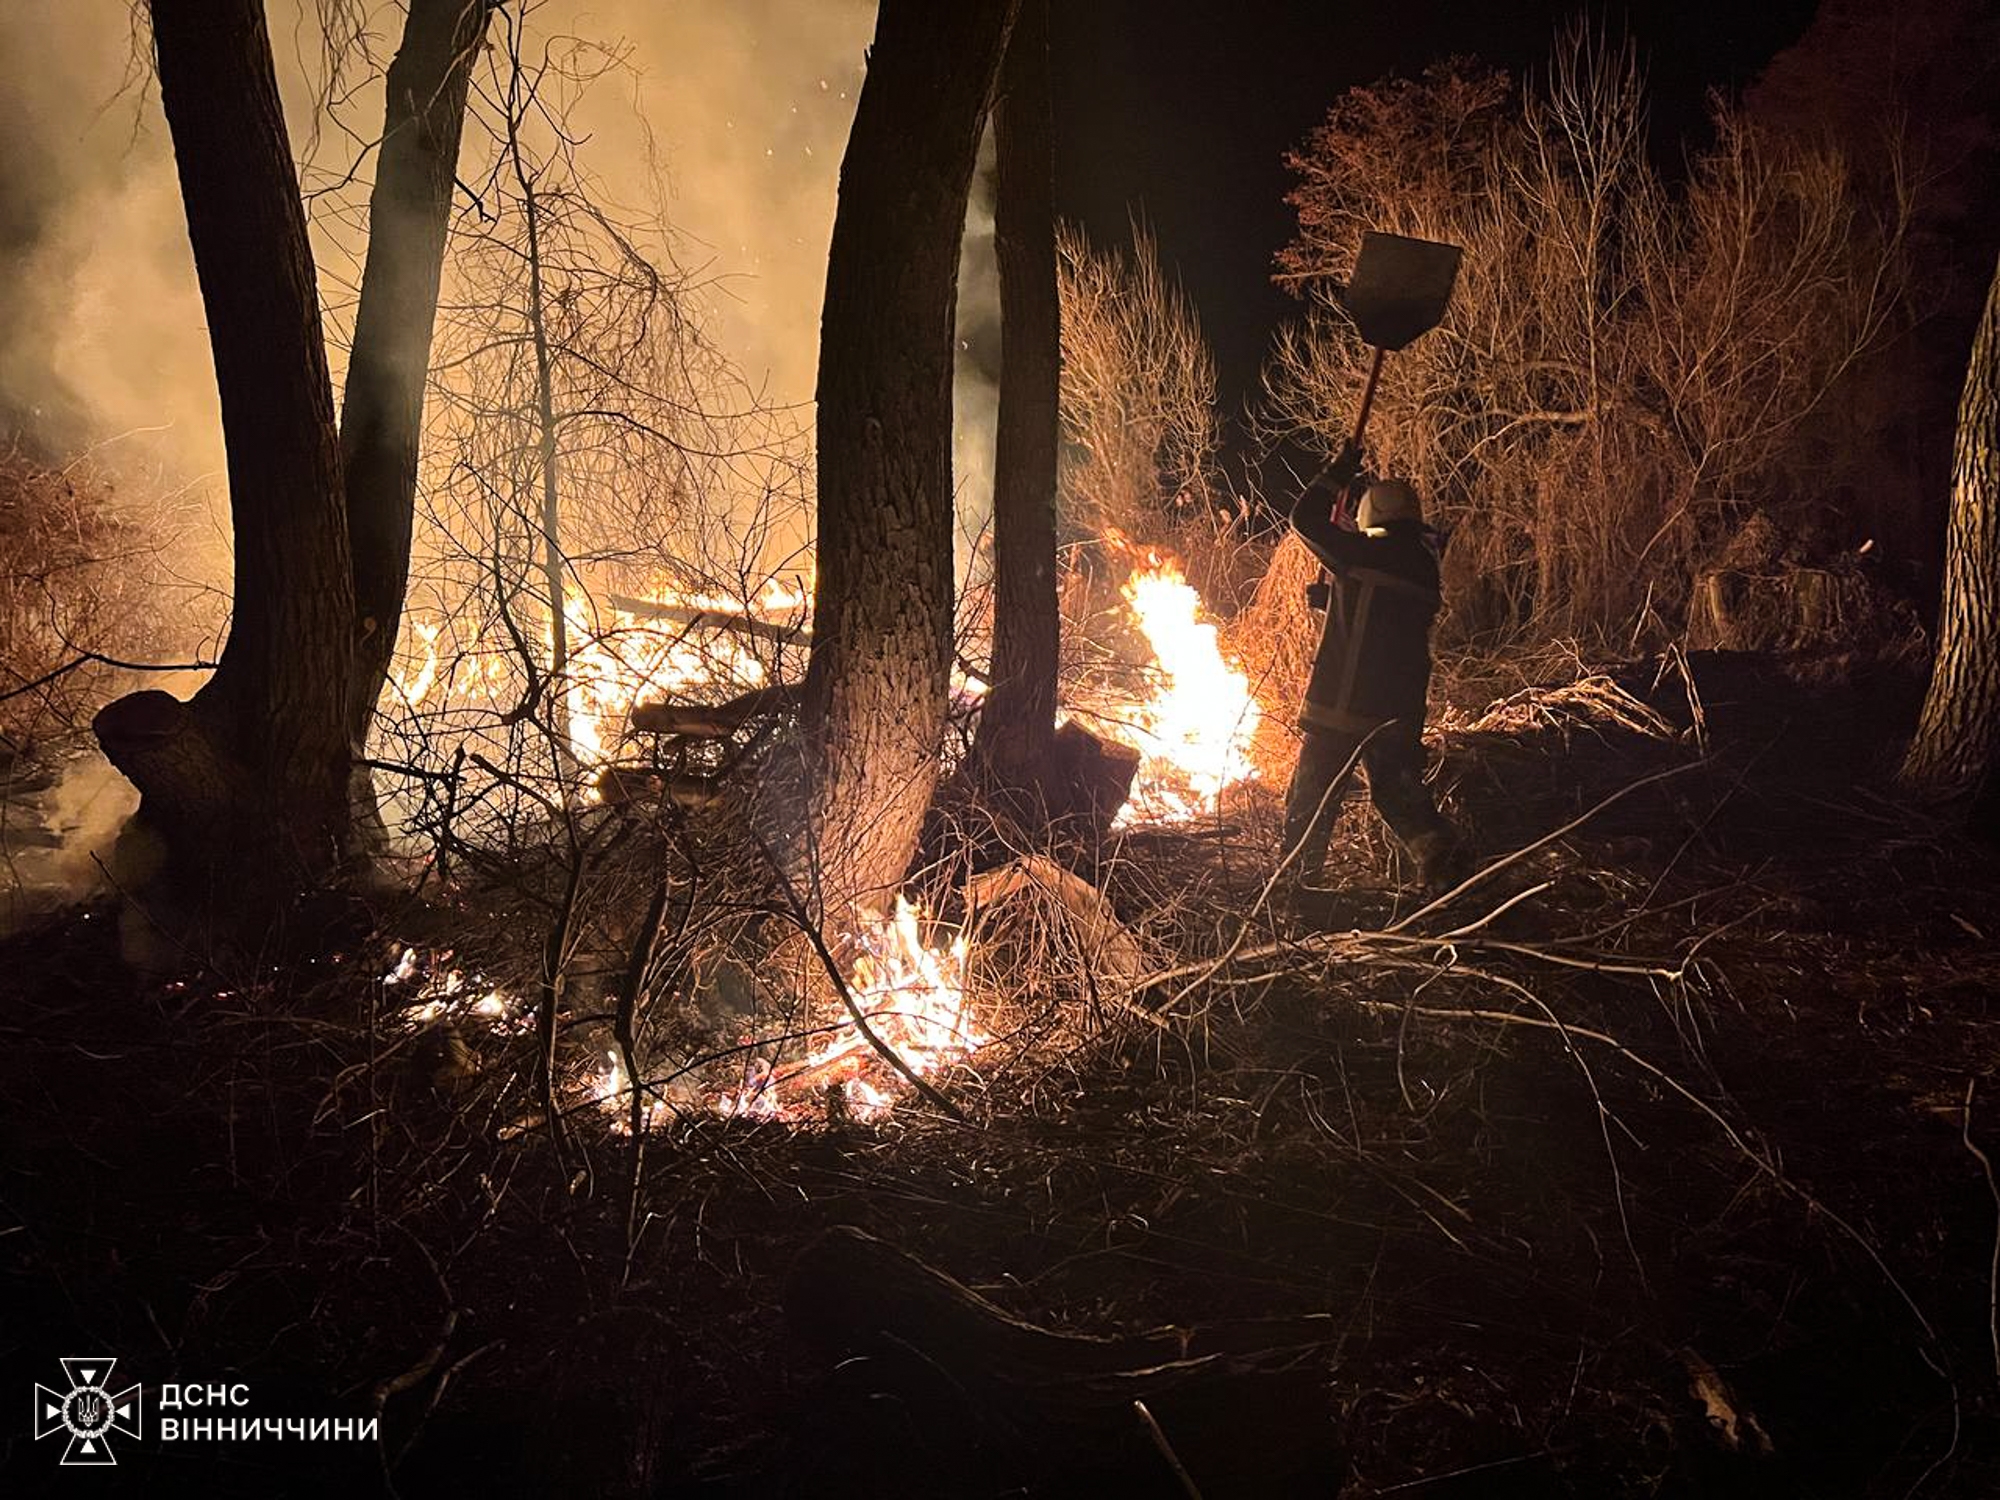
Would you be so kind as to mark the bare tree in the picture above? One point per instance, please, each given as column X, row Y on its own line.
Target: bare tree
column 381, row 417
column 1018, row 720
column 1959, row 732
column 877, row 684
column 1626, row 369
column 256, row 767
column 589, row 447
column 256, row 764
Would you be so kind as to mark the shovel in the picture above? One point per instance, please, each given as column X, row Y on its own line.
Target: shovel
column 1400, row 290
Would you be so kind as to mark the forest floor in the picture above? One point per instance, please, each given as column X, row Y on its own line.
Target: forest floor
column 1656, row 1165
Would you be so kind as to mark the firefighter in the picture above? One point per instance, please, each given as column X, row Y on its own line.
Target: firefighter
column 1370, row 679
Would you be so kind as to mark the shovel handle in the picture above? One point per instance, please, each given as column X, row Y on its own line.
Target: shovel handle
column 1368, row 395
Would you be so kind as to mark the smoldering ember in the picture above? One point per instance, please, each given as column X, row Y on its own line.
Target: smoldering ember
column 817, row 748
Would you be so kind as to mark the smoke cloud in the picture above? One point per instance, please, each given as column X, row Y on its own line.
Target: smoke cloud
column 728, row 121
column 101, row 333
column 739, row 112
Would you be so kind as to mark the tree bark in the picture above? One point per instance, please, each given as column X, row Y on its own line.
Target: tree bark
column 1018, row 720
column 1959, row 731
column 382, row 412
column 879, row 673
column 265, row 743
column 548, row 462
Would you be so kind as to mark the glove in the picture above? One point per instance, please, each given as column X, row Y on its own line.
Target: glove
column 1344, row 477
column 1346, row 466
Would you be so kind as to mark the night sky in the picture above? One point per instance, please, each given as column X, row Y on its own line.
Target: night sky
column 1182, row 112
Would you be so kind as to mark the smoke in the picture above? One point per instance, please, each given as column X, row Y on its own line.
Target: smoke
column 56, row 844
column 101, row 333
column 733, row 116
column 740, row 112
column 728, row 120
column 976, row 371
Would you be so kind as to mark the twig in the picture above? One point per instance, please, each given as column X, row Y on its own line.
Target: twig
column 859, row 1017
column 1993, row 1273
column 417, row 1373
column 1548, row 838
column 1395, row 934
column 1759, row 1159
column 795, row 910
column 1202, row 973
column 1166, row 1449
column 1428, row 1479
column 94, row 658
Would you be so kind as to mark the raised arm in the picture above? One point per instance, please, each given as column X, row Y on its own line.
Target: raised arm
column 1312, row 515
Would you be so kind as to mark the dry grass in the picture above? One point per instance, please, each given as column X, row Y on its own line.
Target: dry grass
column 1490, row 1167
column 1627, row 368
column 78, row 580
column 1138, row 394
column 1275, row 639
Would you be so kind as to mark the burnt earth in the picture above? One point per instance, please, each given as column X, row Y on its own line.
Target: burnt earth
column 1467, row 1220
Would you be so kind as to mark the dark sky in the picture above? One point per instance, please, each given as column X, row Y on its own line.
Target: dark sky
column 1181, row 112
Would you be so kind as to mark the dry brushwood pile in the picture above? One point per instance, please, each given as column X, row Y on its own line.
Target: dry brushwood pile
column 1653, row 1161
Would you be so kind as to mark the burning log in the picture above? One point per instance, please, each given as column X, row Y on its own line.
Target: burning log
column 698, row 618
column 1245, row 1404
column 714, row 721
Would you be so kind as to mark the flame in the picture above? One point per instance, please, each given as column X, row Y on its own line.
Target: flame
column 629, row 656
column 616, row 657
column 911, row 993
column 435, row 992
column 1194, row 731
column 910, row 990
column 611, row 1091
column 417, row 688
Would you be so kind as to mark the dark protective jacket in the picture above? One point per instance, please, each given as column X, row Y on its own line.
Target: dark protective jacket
column 1374, row 661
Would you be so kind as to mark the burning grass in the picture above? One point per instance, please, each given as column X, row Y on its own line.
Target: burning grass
column 1190, row 713
column 1540, row 1180
column 758, row 1045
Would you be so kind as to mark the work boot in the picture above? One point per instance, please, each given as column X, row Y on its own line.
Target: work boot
column 1302, row 903
column 1443, row 861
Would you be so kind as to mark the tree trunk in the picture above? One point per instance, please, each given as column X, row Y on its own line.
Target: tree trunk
column 555, row 564
column 255, row 766
column 1018, row 720
column 1959, row 730
column 879, row 673
column 382, row 413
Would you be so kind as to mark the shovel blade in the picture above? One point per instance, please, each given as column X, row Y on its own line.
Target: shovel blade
column 1401, row 288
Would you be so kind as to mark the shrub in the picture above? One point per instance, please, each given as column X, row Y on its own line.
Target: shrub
column 74, row 581
column 1627, row 369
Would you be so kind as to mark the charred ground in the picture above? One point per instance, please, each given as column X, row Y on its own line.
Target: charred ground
column 1664, row 1179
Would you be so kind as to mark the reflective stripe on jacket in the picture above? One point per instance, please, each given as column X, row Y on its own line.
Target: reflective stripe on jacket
column 1374, row 660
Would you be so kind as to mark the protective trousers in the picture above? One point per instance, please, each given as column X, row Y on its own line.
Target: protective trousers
column 1394, row 760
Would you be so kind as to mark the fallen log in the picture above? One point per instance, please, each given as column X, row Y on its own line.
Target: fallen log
column 696, row 618
column 1010, row 925
column 714, row 721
